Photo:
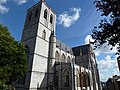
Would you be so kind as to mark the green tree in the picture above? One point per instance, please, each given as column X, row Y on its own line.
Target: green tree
column 12, row 58
column 109, row 28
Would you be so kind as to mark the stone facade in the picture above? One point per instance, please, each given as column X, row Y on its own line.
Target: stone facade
column 52, row 64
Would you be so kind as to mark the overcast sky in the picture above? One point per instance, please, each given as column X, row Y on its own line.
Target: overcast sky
column 75, row 21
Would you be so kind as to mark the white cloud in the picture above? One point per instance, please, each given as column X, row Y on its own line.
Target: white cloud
column 66, row 19
column 104, row 49
column 20, row 2
column 88, row 39
column 3, row 9
column 3, row 1
column 108, row 67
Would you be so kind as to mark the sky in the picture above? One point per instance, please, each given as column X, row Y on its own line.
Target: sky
column 75, row 21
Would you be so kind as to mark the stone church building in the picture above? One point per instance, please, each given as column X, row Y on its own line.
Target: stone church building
column 52, row 64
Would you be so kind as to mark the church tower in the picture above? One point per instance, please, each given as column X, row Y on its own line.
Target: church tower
column 38, row 35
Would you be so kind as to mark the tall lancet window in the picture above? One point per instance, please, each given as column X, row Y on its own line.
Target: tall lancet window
column 44, row 35
column 51, row 18
column 57, row 56
column 36, row 12
column 45, row 13
column 83, row 79
column 66, row 78
column 87, row 79
column 30, row 16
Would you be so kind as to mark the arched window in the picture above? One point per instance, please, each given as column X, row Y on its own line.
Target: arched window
column 51, row 18
column 68, row 59
column 83, row 77
column 30, row 16
column 45, row 13
column 87, row 79
column 63, row 58
column 36, row 12
column 66, row 78
column 57, row 56
column 44, row 34
column 80, row 79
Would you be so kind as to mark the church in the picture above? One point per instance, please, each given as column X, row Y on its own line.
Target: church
column 53, row 65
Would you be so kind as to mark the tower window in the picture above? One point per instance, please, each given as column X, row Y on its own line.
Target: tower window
column 51, row 18
column 30, row 16
column 36, row 12
column 45, row 13
column 44, row 34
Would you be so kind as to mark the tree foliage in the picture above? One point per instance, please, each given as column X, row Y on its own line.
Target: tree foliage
column 12, row 58
column 109, row 28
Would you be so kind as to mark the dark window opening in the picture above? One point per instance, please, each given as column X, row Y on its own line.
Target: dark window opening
column 44, row 35
column 30, row 16
column 45, row 13
column 51, row 18
column 36, row 12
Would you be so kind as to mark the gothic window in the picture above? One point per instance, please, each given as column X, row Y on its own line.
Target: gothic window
column 30, row 16
column 83, row 79
column 36, row 12
column 88, row 79
column 66, row 78
column 44, row 34
column 68, row 59
column 45, row 13
column 51, row 18
column 80, row 79
column 63, row 58
column 57, row 56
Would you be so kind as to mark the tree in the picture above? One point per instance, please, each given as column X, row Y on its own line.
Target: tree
column 108, row 30
column 12, row 58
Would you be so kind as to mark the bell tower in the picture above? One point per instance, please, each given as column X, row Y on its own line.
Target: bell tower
column 39, row 25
